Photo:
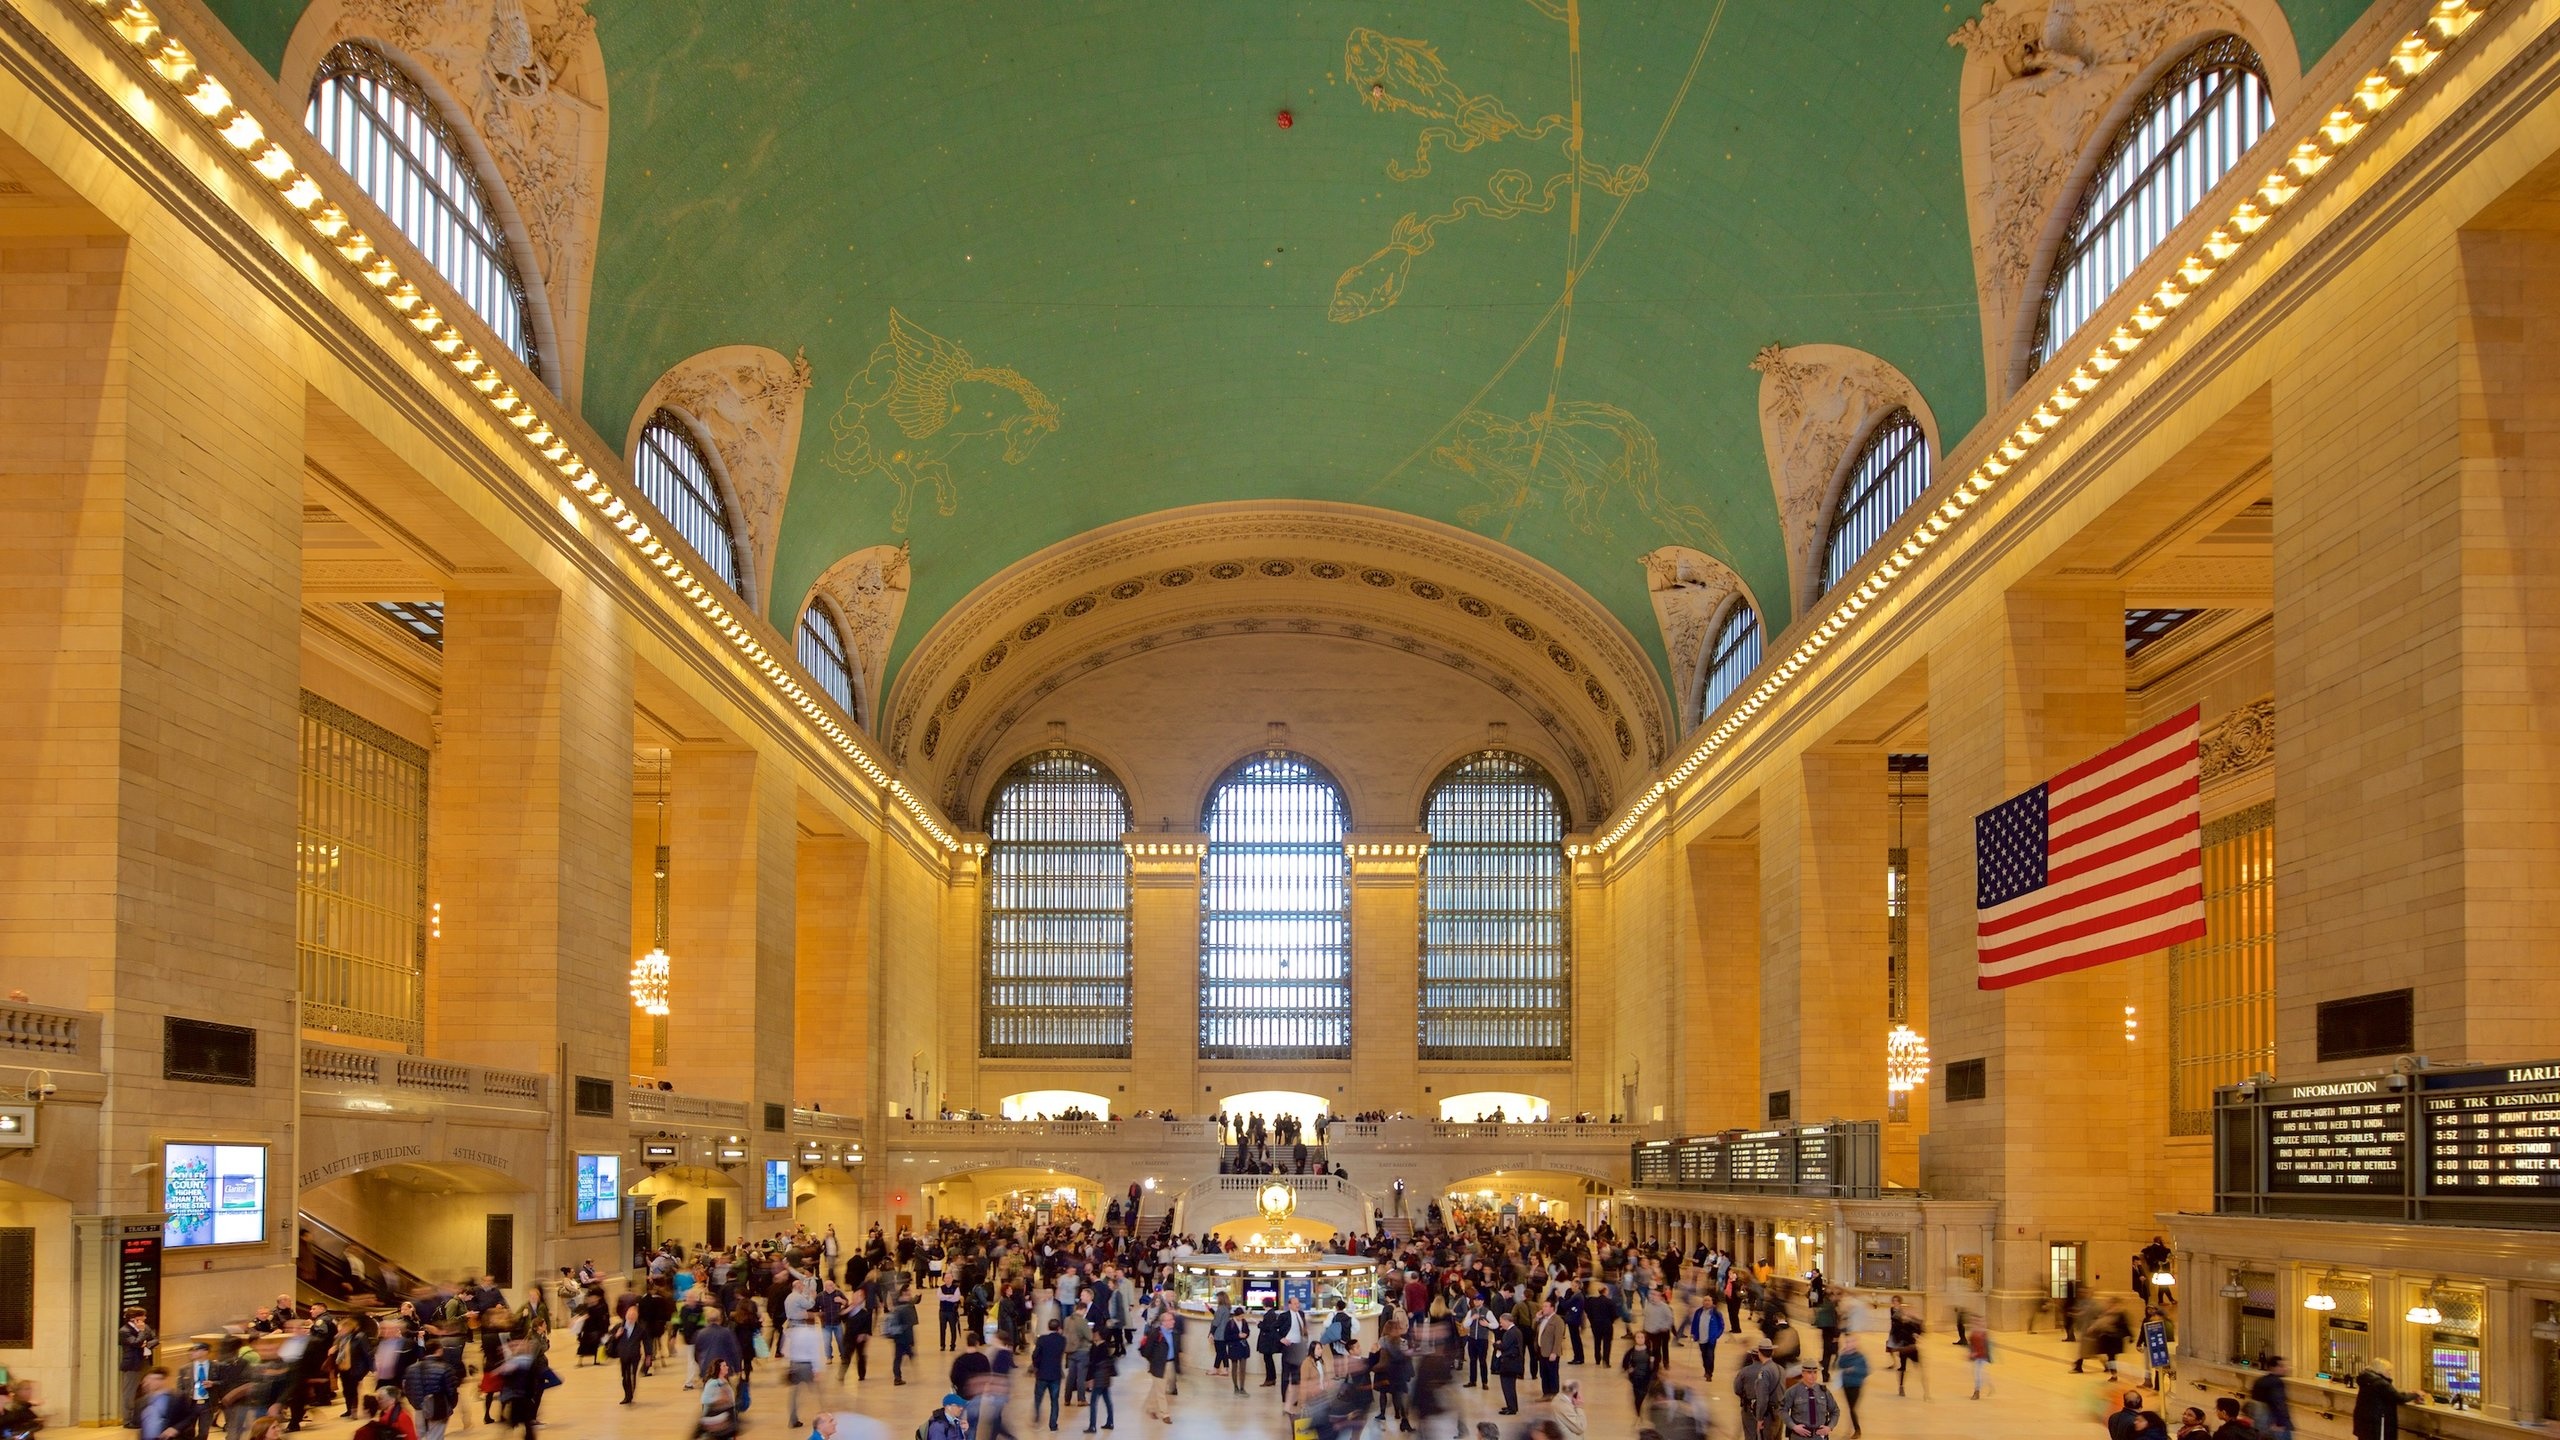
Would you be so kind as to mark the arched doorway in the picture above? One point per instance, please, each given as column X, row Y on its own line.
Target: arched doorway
column 695, row 1206
column 1054, row 1105
column 1021, row 1195
column 1272, row 1104
column 392, row 1232
column 1478, row 1107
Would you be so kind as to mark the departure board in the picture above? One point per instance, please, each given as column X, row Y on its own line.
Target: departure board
column 1835, row 1158
column 2355, row 1142
column 2502, row 1139
column 1760, row 1158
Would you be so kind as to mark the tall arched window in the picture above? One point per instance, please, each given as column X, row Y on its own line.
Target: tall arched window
column 1731, row 656
column 1891, row 470
column 2188, row 131
column 1057, row 956
column 678, row 479
column 826, row 657
column 1275, row 914
column 391, row 139
column 1496, row 968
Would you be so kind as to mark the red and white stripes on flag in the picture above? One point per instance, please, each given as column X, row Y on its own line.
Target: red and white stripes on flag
column 2103, row 861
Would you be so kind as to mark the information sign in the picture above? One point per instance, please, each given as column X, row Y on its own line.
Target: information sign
column 138, row 1269
column 2355, row 1142
column 2503, row 1139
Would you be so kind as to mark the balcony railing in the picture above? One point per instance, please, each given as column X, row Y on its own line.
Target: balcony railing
column 1415, row 1130
column 333, row 1068
column 41, row 1037
column 825, row 1122
column 648, row 1104
column 1158, row 1132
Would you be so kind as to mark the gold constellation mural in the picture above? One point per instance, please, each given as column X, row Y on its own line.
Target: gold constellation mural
column 934, row 399
column 1584, row 452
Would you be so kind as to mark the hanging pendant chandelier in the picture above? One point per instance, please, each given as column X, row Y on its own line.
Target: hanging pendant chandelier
column 1906, row 1060
column 649, row 982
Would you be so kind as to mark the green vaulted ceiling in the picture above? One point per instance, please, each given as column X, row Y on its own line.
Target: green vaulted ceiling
column 1130, row 288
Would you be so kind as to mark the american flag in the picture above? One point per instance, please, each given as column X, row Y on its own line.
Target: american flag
column 2103, row 861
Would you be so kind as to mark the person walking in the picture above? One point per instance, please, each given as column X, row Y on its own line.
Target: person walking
column 1293, row 1352
column 1657, row 1327
column 804, row 1350
column 1549, row 1342
column 1157, row 1351
column 901, row 1326
column 1977, row 1350
column 1600, row 1309
column 1851, row 1368
column 1705, row 1328
column 1048, row 1371
column 628, row 1345
column 2270, row 1403
column 1902, row 1337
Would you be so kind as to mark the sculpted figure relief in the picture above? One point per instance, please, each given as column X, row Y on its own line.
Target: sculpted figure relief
column 1816, row 403
column 1690, row 588
column 746, row 400
column 869, row 588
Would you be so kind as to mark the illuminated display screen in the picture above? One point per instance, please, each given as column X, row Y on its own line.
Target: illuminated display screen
column 215, row 1194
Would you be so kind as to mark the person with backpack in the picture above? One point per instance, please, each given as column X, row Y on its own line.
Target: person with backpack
column 951, row 1422
column 1157, row 1351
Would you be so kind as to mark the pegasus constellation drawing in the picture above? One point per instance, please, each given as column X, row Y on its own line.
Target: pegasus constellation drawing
column 1587, row 454
column 918, row 400
column 1402, row 76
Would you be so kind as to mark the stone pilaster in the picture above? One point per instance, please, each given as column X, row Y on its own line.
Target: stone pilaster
column 1164, row 885
column 732, row 837
column 1386, row 972
column 1822, row 996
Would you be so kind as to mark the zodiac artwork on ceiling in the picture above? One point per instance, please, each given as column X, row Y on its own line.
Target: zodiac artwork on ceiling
column 920, row 399
column 1585, row 453
column 1399, row 76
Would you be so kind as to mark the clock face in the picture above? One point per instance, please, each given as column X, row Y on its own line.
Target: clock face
column 1277, row 1201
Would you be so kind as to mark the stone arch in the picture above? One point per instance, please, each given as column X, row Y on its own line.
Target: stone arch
column 1691, row 590
column 869, row 591
column 2045, row 84
column 526, row 79
column 744, row 403
column 1818, row 405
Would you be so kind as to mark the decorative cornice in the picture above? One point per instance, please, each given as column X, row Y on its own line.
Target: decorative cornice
column 2238, row 742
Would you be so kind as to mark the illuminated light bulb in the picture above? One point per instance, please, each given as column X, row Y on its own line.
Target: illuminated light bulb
column 244, row 133
column 2104, row 363
column 2061, row 402
column 209, row 99
column 1981, row 484
column 2278, row 191
column 303, row 193
column 274, row 162
column 2082, row 382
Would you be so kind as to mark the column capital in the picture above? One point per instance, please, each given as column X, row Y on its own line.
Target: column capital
column 1164, row 857
column 1387, row 857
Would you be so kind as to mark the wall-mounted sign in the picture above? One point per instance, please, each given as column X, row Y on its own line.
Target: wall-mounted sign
column 731, row 1154
column 2470, row 1146
column 17, row 1126
column 599, row 1188
column 658, row 1154
column 138, row 1245
column 214, row 1194
column 777, row 1184
column 1837, row 1159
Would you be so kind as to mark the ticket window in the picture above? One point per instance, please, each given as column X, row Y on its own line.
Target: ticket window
column 2346, row 1333
column 2253, row 1319
column 2546, row 1358
column 2452, row 1349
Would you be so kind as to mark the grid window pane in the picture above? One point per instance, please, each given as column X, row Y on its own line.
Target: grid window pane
column 1275, row 915
column 677, row 478
column 2222, row 989
column 1496, row 958
column 1892, row 470
column 823, row 655
column 1057, row 976
column 388, row 136
column 1733, row 656
column 360, row 853
column 2189, row 130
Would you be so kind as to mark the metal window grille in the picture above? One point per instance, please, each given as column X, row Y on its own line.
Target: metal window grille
column 1275, row 915
column 391, row 139
column 422, row 618
column 361, row 878
column 1496, row 954
column 823, row 655
column 2181, row 139
column 2143, row 627
column 677, row 478
column 1733, row 656
column 1057, row 951
column 2222, row 989
column 1891, row 471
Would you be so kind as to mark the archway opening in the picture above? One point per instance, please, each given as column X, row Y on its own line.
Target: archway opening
column 1054, row 1105
column 1508, row 1196
column 395, row 1232
column 695, row 1206
column 1020, row 1195
column 1272, row 1104
column 1477, row 1107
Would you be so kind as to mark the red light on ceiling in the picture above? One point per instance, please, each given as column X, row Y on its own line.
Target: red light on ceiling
column 1287, row 120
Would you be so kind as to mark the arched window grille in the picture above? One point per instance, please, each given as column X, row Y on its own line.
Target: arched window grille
column 1496, row 966
column 2184, row 136
column 1732, row 657
column 677, row 477
column 1275, row 914
column 825, row 656
column 390, row 138
column 1057, row 956
column 1891, row 470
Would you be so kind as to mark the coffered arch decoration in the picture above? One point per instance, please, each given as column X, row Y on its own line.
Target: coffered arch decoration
column 1192, row 576
column 527, row 79
column 1690, row 590
column 745, row 401
column 1817, row 403
column 2045, row 84
column 869, row 591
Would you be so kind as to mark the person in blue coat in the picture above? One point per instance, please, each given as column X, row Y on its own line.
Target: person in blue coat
column 1706, row 1329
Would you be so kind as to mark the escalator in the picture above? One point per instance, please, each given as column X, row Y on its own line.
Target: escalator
column 337, row 1268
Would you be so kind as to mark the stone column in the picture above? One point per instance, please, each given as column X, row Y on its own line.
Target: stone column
column 1386, row 972
column 151, row 489
column 831, row 973
column 2065, row 1141
column 1164, row 880
column 733, row 843
column 1822, row 997
column 1720, row 985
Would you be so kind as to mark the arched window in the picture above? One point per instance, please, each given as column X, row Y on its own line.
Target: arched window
column 1891, row 470
column 1275, row 914
column 2184, row 136
column 389, row 137
column 1057, row 973
column 678, row 479
column 825, row 656
column 1496, row 969
column 1733, row 655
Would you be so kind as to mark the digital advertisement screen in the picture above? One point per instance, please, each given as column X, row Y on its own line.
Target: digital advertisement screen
column 777, row 1184
column 599, row 1188
column 215, row 1194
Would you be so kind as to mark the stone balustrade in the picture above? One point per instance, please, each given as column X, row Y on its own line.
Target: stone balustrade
column 41, row 1037
column 1411, row 1131
column 825, row 1122
column 337, row 1068
column 1145, row 1132
column 671, row 1105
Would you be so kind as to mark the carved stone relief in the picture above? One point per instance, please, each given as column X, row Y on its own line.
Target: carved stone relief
column 1690, row 588
column 869, row 589
column 1817, row 402
column 2238, row 742
column 746, row 400
column 528, row 77
column 2040, row 78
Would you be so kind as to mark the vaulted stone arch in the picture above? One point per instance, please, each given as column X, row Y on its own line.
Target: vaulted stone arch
column 745, row 402
column 1817, row 403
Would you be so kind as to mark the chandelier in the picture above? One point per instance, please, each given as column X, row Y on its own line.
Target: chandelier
column 1906, row 1060
column 649, row 983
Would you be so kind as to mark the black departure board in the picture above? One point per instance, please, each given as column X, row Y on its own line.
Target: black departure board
column 2501, row 1139
column 1836, row 1158
column 2356, row 1143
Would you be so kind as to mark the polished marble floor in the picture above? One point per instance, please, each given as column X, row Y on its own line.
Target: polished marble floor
column 2033, row 1395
